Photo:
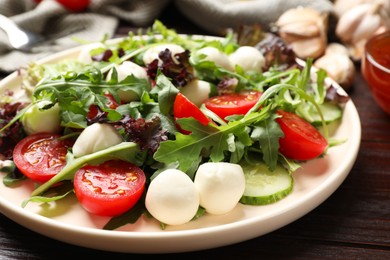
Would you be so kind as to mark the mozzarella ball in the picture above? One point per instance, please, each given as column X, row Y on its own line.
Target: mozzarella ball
column 85, row 53
column 172, row 197
column 123, row 70
column 37, row 120
column 197, row 91
column 220, row 58
column 94, row 138
column 152, row 53
column 220, row 186
column 248, row 58
column 127, row 68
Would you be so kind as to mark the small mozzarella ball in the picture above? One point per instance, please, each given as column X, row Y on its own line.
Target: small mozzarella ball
column 37, row 120
column 152, row 53
column 94, row 138
column 197, row 91
column 220, row 186
column 127, row 68
column 172, row 197
column 85, row 53
column 123, row 70
column 220, row 58
column 248, row 58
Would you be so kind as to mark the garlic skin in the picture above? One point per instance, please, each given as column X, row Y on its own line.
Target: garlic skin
column 361, row 22
column 338, row 65
column 305, row 29
column 342, row 6
column 336, row 48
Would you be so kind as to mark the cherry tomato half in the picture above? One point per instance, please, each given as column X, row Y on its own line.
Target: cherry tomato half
column 301, row 140
column 233, row 104
column 41, row 156
column 72, row 5
column 183, row 108
column 110, row 188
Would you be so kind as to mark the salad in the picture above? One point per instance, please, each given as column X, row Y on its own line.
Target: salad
column 168, row 125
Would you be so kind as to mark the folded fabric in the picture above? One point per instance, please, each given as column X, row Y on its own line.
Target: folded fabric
column 61, row 27
column 217, row 15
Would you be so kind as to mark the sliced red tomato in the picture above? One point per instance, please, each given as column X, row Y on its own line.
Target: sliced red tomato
column 110, row 188
column 72, row 5
column 41, row 156
column 301, row 140
column 233, row 104
column 183, row 108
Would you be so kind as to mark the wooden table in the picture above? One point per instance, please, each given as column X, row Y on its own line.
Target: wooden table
column 353, row 223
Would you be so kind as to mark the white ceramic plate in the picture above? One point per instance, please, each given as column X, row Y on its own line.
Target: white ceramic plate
column 66, row 221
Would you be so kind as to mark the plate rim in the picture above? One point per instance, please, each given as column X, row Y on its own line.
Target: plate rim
column 88, row 236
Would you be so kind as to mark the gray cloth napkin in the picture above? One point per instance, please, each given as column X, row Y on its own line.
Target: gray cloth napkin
column 62, row 27
column 101, row 19
column 217, row 15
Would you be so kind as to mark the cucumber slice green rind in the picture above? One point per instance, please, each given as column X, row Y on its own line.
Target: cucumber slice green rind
column 265, row 187
column 331, row 113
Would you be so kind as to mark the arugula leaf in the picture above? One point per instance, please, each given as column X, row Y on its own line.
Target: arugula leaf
column 187, row 150
column 76, row 92
column 268, row 132
column 166, row 93
column 13, row 176
column 129, row 217
column 16, row 117
column 220, row 141
column 60, row 192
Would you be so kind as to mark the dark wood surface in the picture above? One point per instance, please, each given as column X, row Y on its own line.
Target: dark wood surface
column 353, row 223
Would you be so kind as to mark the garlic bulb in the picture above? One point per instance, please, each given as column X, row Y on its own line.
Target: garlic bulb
column 338, row 65
column 305, row 29
column 342, row 6
column 361, row 22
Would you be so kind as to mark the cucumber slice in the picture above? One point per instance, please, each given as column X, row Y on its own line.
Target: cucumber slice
column 331, row 112
column 265, row 187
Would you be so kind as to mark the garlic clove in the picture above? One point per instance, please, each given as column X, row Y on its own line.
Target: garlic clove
column 309, row 48
column 367, row 27
column 362, row 22
column 305, row 29
column 297, row 31
column 339, row 67
column 356, row 50
column 336, row 48
column 298, row 14
column 342, row 6
column 350, row 20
